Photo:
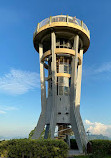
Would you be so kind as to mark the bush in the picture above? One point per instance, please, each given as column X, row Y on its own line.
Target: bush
column 73, row 144
column 101, row 148
column 37, row 148
column 85, row 156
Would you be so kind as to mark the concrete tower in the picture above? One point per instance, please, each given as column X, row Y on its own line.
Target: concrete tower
column 61, row 41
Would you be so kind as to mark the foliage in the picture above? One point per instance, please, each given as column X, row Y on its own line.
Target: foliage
column 101, row 147
column 37, row 148
column 86, row 156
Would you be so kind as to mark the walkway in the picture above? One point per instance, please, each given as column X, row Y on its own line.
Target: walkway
column 71, row 153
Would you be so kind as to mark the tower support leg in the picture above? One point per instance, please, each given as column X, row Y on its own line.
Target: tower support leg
column 40, row 126
column 41, row 122
column 73, row 112
column 54, row 87
column 77, row 101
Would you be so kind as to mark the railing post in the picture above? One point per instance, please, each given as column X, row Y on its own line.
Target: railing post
column 38, row 27
column 81, row 23
column 50, row 20
column 67, row 19
column 74, row 19
column 89, row 32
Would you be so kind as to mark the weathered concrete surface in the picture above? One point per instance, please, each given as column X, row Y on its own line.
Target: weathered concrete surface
column 72, row 153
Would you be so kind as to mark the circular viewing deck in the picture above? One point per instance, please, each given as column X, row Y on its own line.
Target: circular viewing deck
column 72, row 24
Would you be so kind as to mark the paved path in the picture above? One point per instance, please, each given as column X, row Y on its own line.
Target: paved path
column 71, row 153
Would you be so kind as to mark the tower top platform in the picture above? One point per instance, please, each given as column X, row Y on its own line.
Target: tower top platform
column 63, row 25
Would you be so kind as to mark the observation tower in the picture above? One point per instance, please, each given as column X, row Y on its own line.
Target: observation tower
column 61, row 42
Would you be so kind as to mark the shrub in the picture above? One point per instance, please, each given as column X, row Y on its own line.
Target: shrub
column 101, row 148
column 37, row 148
column 85, row 156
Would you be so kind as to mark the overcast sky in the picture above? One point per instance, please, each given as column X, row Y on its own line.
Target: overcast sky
column 20, row 103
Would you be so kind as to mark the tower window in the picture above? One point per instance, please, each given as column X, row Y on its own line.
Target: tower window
column 60, row 80
column 58, row 43
column 65, row 68
column 66, row 90
column 70, row 82
column 69, row 69
column 61, row 43
column 60, row 90
column 61, row 60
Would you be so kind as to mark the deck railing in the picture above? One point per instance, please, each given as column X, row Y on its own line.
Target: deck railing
column 62, row 18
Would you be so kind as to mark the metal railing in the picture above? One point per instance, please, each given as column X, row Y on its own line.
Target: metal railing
column 62, row 18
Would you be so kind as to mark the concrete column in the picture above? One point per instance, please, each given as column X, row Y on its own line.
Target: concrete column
column 41, row 121
column 74, row 64
column 73, row 113
column 54, row 86
column 42, row 80
column 76, row 45
column 79, row 77
column 77, row 101
column 40, row 126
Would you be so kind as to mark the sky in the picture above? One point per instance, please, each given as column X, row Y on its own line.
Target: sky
column 20, row 94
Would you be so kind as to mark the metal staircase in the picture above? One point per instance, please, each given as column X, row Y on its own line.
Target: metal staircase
column 63, row 131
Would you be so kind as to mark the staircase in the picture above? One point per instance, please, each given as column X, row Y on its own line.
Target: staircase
column 63, row 131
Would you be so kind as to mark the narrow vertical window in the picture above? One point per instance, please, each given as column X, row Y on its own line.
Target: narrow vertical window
column 60, row 90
